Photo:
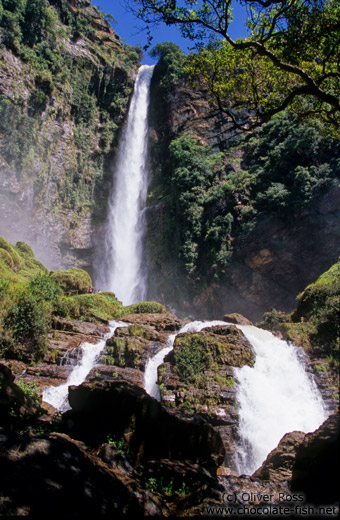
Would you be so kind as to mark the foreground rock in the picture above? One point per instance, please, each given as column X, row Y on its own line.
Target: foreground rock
column 56, row 477
column 316, row 463
column 17, row 408
column 125, row 412
column 306, row 463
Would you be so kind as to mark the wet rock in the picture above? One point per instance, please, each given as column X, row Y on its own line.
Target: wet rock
column 80, row 327
column 132, row 346
column 239, row 319
column 150, row 431
column 279, row 463
column 115, row 373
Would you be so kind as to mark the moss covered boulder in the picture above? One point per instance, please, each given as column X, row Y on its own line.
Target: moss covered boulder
column 132, row 346
column 197, row 377
column 73, row 281
column 17, row 262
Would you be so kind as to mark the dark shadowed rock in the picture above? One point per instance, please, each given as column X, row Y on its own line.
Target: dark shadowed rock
column 279, row 463
column 55, row 477
column 150, row 432
column 317, row 464
column 17, row 409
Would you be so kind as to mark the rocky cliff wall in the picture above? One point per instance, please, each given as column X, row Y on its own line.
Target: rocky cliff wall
column 63, row 98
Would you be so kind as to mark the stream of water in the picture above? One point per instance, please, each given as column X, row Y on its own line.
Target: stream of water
column 57, row 396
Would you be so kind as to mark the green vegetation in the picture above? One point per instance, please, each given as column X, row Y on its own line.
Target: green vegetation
column 30, row 296
column 73, row 281
column 144, row 307
column 289, row 59
column 30, row 389
column 171, row 63
column 167, row 487
column 192, row 357
column 316, row 321
column 213, row 199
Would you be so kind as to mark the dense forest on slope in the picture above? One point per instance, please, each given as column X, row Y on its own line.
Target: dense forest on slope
column 66, row 80
column 221, row 195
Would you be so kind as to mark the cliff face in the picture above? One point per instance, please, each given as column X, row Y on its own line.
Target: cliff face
column 64, row 91
column 273, row 255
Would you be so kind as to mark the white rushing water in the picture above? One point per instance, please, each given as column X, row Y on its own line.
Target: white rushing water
column 275, row 397
column 57, row 396
column 123, row 273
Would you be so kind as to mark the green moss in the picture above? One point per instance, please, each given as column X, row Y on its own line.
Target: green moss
column 25, row 249
column 6, row 258
column 73, row 281
column 17, row 263
column 144, row 307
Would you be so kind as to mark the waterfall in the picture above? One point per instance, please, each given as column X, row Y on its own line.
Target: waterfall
column 123, row 272
column 275, row 397
column 57, row 396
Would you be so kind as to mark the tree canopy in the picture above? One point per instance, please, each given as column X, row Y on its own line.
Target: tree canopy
column 291, row 57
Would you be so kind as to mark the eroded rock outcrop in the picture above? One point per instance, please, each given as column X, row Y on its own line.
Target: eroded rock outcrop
column 198, row 378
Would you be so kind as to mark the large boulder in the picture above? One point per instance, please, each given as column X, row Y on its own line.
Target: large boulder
column 132, row 346
column 237, row 318
column 126, row 412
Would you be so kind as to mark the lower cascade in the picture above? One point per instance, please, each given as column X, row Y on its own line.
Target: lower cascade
column 57, row 396
column 274, row 397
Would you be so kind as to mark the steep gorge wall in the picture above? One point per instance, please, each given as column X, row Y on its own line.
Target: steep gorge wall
column 63, row 99
column 271, row 264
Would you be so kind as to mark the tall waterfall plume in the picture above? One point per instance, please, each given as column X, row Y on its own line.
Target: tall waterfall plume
column 125, row 227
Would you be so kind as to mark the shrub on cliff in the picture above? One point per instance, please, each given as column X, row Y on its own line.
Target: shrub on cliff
column 319, row 304
column 26, row 324
column 73, row 281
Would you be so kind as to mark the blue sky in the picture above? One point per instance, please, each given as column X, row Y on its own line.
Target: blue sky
column 129, row 28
